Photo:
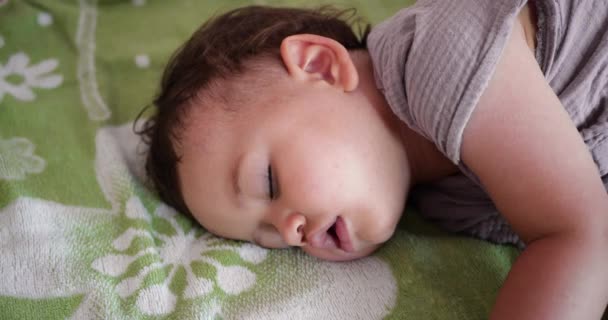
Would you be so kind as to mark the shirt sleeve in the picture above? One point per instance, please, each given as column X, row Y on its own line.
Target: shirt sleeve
column 433, row 60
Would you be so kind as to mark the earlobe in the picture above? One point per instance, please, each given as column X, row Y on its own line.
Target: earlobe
column 313, row 58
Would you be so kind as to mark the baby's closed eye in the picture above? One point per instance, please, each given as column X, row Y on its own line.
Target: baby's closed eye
column 272, row 184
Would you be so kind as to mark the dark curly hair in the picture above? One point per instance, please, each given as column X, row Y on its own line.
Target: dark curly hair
column 220, row 50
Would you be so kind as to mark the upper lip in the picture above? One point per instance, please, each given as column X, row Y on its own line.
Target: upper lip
column 338, row 238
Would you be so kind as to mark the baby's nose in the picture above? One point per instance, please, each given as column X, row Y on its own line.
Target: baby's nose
column 292, row 229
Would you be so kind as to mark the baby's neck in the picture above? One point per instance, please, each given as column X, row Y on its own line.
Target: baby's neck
column 425, row 162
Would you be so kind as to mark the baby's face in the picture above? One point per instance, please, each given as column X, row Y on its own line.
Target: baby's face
column 318, row 169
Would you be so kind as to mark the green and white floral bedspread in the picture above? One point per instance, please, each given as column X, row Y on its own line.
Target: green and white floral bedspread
column 82, row 237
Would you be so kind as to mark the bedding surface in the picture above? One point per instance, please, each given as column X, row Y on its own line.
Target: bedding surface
column 82, row 236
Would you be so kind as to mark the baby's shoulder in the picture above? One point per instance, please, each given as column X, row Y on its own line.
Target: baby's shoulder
column 433, row 60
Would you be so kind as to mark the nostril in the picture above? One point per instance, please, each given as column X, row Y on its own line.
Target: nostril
column 300, row 231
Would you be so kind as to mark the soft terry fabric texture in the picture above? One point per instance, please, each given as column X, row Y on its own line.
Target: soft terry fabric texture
column 436, row 93
column 83, row 237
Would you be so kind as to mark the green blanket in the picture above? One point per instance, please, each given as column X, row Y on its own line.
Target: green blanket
column 83, row 237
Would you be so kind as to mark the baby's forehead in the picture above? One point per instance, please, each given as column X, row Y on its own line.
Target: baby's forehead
column 228, row 104
column 202, row 125
column 210, row 126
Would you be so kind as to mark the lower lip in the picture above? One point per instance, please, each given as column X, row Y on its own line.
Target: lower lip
column 342, row 232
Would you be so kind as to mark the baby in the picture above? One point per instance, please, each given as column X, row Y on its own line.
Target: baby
column 285, row 128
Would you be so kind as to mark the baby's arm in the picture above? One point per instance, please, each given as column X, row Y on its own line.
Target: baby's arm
column 535, row 166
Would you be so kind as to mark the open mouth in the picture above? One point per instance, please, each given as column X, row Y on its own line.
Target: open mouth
column 339, row 234
column 334, row 236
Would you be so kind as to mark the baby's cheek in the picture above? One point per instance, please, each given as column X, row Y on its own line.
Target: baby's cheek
column 382, row 227
column 271, row 241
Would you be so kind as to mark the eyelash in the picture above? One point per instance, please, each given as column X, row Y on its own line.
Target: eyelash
column 271, row 185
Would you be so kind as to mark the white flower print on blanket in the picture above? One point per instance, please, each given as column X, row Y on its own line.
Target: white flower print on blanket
column 178, row 249
column 18, row 79
column 17, row 159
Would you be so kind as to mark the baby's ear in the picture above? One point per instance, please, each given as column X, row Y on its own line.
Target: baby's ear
column 312, row 58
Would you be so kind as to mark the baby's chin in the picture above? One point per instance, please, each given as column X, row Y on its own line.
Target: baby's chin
column 338, row 255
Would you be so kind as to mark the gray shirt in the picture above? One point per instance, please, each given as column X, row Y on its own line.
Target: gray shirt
column 433, row 60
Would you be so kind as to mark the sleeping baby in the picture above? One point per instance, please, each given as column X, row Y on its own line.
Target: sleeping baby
column 286, row 128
